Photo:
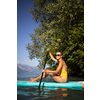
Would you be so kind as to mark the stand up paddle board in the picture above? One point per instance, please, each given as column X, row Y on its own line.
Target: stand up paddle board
column 71, row 84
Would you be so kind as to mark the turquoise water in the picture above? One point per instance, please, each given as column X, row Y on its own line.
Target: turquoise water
column 46, row 93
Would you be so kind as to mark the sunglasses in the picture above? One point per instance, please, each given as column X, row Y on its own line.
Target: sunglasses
column 58, row 54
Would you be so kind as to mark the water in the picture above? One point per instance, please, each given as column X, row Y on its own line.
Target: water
column 46, row 93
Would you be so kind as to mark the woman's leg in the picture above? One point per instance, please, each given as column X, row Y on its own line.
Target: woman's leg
column 38, row 78
column 58, row 79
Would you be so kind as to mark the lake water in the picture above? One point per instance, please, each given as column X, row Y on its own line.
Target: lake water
column 32, row 93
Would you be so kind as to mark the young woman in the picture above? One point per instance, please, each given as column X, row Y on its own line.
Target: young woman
column 62, row 69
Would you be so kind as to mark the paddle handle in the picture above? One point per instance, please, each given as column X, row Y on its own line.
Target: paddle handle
column 42, row 72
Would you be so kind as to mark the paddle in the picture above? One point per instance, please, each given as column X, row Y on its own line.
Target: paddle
column 43, row 68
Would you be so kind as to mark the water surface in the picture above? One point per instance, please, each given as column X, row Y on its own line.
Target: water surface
column 47, row 93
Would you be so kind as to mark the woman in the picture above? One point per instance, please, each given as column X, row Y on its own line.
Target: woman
column 62, row 69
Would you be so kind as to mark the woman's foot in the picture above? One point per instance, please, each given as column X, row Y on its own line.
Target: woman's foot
column 32, row 80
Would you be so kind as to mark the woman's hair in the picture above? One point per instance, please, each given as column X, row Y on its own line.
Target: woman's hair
column 61, row 53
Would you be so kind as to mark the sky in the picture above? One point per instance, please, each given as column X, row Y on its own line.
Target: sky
column 25, row 25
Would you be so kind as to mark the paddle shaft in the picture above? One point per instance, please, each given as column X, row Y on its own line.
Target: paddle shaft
column 42, row 72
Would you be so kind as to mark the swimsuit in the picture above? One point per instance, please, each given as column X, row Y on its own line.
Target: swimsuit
column 63, row 73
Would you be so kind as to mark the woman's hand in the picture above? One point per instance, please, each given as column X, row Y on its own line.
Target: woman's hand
column 48, row 50
column 43, row 70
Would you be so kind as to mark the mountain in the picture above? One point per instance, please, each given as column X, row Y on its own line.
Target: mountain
column 27, row 69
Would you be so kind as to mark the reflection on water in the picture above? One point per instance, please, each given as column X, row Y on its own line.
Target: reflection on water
column 49, row 93
column 54, row 93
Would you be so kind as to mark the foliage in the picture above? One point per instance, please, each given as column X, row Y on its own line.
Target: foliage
column 61, row 29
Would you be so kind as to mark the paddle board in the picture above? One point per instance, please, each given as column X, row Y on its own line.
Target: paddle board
column 71, row 84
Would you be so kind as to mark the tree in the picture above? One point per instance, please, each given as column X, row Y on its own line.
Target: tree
column 61, row 28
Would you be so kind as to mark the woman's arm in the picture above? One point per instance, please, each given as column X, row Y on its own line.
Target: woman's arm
column 52, row 56
column 49, row 71
column 55, row 71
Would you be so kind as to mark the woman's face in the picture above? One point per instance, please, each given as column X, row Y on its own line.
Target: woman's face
column 58, row 55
